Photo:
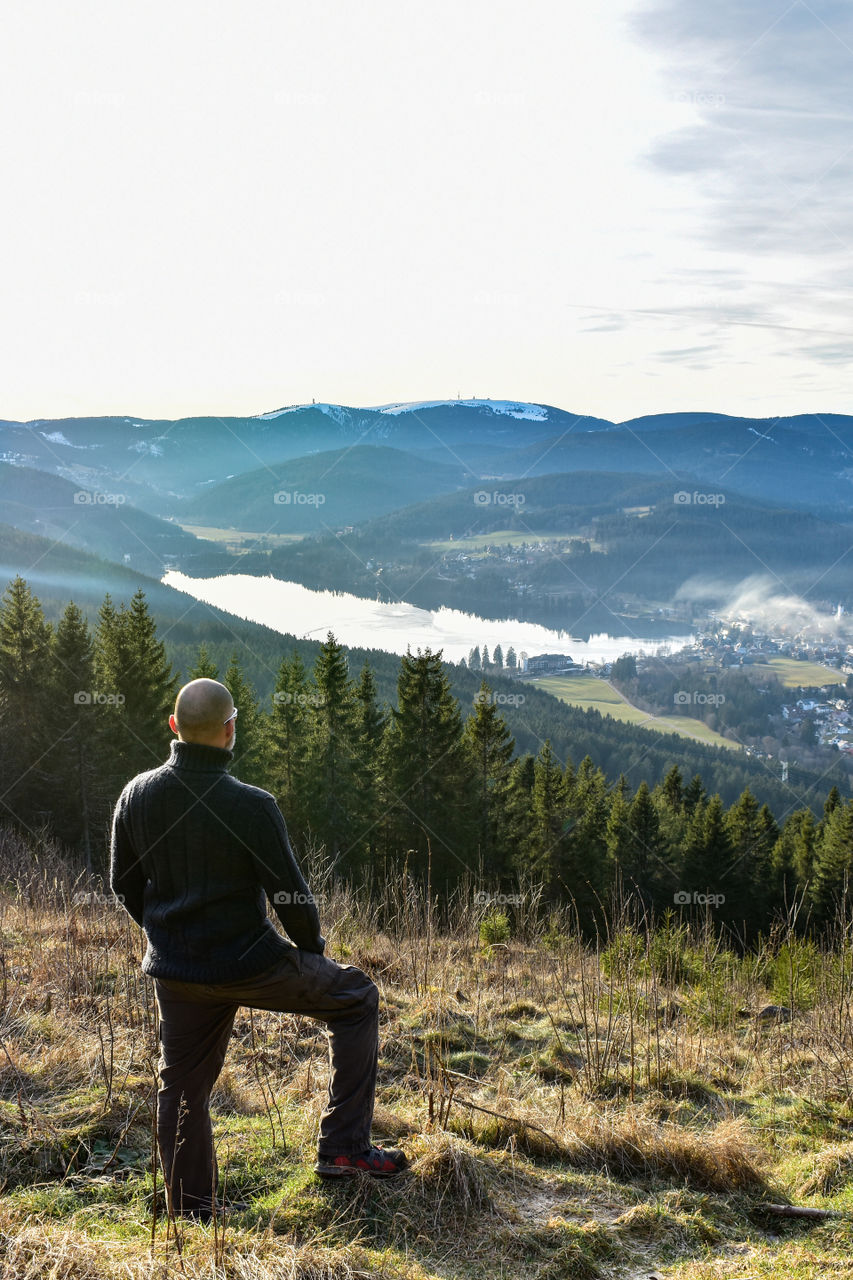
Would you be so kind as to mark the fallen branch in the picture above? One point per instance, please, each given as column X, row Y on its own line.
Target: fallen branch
column 801, row 1211
column 514, row 1120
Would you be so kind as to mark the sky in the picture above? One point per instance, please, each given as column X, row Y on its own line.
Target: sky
column 618, row 209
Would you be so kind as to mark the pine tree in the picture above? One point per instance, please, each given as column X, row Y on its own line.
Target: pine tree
column 672, row 789
column 831, row 887
column 205, row 668
column 333, row 756
column 584, row 863
column 286, row 748
column 709, row 853
column 511, row 660
column 27, row 735
column 250, row 730
column 427, row 781
column 370, row 723
column 137, row 686
column 475, row 662
column 694, row 793
column 551, row 822
column 793, row 856
column 753, row 833
column 644, row 865
column 486, row 659
column 520, row 811
column 491, row 749
column 79, row 802
column 498, row 656
column 832, row 802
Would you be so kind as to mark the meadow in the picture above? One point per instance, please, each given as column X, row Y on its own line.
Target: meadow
column 591, row 691
column 627, row 1106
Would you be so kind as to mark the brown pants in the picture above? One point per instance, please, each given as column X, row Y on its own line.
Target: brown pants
column 195, row 1024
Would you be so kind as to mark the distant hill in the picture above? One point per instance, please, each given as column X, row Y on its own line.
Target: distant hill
column 804, row 459
column 799, row 462
column 633, row 542
column 102, row 522
column 325, row 490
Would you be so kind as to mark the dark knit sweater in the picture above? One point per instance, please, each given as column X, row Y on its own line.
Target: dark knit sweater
column 193, row 851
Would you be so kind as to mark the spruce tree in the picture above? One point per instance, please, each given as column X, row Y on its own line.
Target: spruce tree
column 286, row 748
column 520, row 812
column 831, row 886
column 205, row 668
column 135, row 678
column 333, row 756
column 753, row 834
column 551, row 822
column 80, row 804
column 27, row 732
column 491, row 747
column 249, row 732
column 708, row 856
column 427, row 781
column 370, row 722
column 584, row 865
column 644, row 865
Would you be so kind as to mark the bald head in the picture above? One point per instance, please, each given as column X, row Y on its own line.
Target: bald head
column 201, row 711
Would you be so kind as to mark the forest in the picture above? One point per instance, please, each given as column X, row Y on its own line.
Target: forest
column 419, row 786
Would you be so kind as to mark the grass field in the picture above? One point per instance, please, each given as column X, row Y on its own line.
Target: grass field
column 793, row 672
column 236, row 537
column 501, row 537
column 569, row 1110
column 590, row 691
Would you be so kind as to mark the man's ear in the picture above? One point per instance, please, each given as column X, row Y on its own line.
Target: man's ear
column 173, row 724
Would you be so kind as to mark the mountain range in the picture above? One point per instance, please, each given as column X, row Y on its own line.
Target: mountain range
column 804, row 460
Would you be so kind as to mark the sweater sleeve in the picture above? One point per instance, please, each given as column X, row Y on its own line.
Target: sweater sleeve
column 127, row 879
column 284, row 884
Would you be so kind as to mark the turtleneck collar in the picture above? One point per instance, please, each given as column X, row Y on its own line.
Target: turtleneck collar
column 197, row 755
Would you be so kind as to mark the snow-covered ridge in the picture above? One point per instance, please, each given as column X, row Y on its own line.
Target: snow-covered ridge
column 511, row 408
column 339, row 412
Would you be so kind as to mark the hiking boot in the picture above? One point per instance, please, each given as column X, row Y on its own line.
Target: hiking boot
column 376, row 1162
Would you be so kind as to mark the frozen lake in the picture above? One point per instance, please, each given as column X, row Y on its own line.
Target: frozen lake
column 292, row 609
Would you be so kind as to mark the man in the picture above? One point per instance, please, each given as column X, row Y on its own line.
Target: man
column 193, row 851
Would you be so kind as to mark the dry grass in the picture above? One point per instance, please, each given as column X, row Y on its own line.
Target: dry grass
column 502, row 1070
